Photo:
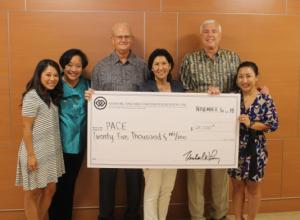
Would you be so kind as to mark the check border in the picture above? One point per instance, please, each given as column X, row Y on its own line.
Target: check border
column 93, row 164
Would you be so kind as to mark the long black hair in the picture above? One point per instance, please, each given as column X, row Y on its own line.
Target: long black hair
column 157, row 53
column 35, row 83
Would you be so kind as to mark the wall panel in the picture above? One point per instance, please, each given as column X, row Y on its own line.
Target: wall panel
column 12, row 4
column 293, row 6
column 280, row 205
column 291, row 167
column 226, row 6
column 11, row 196
column 161, row 32
column 17, row 215
column 127, row 5
column 5, row 119
column 80, row 214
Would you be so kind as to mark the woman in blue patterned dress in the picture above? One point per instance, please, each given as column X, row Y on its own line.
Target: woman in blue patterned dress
column 258, row 115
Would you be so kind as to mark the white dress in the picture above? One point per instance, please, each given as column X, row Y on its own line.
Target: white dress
column 46, row 144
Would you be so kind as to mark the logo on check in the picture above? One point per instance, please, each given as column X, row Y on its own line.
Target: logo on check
column 100, row 103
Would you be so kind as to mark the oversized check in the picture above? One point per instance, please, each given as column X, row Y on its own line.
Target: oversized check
column 163, row 130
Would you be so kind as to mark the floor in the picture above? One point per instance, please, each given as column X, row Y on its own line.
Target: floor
column 276, row 216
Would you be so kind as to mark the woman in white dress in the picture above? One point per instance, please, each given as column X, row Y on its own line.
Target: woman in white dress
column 40, row 160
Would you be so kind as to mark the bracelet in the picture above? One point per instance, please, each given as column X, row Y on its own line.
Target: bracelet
column 251, row 124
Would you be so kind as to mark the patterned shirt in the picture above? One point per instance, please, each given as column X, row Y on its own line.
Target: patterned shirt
column 112, row 75
column 199, row 72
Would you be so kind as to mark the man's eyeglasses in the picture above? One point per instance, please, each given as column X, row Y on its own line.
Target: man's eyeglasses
column 121, row 37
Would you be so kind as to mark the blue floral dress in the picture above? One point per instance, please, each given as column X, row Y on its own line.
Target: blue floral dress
column 253, row 154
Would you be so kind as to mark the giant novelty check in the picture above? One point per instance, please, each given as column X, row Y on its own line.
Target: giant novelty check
column 163, row 130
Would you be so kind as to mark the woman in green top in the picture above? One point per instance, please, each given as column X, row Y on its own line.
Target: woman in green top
column 73, row 120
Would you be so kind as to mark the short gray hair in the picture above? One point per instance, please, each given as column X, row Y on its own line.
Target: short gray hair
column 210, row 21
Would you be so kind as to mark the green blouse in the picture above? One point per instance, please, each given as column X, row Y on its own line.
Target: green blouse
column 73, row 117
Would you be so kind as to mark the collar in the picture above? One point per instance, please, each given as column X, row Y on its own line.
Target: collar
column 218, row 54
column 130, row 58
column 70, row 91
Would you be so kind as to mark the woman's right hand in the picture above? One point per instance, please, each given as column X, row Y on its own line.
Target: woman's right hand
column 244, row 119
column 32, row 163
column 88, row 94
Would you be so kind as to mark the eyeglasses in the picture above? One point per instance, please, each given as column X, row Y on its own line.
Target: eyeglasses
column 121, row 37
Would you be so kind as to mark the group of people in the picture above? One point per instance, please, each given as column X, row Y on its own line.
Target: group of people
column 54, row 129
